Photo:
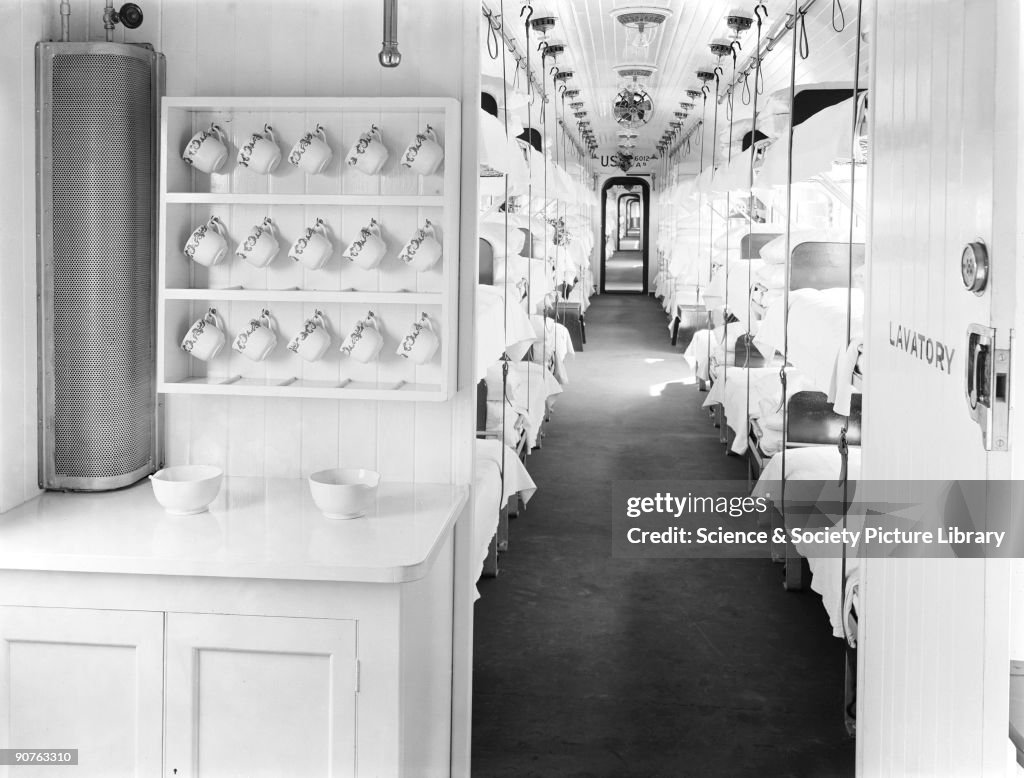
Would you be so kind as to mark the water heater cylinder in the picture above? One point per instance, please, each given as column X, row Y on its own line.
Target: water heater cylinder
column 98, row 105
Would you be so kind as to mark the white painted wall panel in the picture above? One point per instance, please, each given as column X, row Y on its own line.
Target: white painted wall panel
column 257, row 47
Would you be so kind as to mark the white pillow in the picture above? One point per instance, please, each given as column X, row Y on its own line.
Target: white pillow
column 771, row 276
column 524, row 273
column 511, row 437
column 493, row 231
column 515, row 386
column 775, row 250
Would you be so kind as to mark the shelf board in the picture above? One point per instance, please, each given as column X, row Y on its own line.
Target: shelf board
column 297, row 387
column 305, row 296
column 225, row 105
column 383, row 201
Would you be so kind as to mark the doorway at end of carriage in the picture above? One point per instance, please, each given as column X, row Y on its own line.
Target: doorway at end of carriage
column 627, row 232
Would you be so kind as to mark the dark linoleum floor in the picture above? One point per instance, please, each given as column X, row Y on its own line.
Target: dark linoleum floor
column 587, row 665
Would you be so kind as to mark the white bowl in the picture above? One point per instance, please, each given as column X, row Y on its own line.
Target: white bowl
column 342, row 493
column 186, row 489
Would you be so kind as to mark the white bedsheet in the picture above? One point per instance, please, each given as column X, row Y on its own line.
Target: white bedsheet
column 517, row 477
column 486, row 506
column 765, row 399
column 498, row 330
column 702, row 347
column 530, row 395
column 817, row 330
column 489, row 497
column 738, row 287
column 552, row 338
column 816, row 463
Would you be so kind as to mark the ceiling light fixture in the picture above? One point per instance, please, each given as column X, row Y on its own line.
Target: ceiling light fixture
column 641, row 23
column 739, row 22
column 634, row 74
column 542, row 25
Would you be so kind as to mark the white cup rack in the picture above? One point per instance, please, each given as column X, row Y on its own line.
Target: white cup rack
column 346, row 199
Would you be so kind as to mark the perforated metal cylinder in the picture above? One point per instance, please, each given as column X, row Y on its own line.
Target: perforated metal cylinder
column 98, row 107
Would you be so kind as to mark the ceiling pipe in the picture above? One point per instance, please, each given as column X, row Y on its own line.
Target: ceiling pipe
column 389, row 56
column 65, row 21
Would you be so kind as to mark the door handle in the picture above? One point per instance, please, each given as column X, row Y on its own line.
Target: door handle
column 988, row 386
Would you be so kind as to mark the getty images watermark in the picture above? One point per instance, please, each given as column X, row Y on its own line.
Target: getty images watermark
column 723, row 519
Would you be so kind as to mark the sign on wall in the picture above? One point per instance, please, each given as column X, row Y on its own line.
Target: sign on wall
column 637, row 162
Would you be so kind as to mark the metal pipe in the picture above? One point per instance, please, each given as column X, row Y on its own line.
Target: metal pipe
column 109, row 20
column 389, row 56
column 65, row 21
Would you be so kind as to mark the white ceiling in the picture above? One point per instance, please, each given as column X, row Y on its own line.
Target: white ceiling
column 595, row 43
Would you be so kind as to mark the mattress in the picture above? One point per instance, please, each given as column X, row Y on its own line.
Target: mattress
column 816, row 463
column 817, row 331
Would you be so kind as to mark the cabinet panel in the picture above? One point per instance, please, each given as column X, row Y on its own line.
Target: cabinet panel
column 260, row 696
column 83, row 679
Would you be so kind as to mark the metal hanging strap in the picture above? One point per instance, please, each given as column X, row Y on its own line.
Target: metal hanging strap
column 789, row 260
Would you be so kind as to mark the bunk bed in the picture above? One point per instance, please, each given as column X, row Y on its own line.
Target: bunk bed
column 816, row 325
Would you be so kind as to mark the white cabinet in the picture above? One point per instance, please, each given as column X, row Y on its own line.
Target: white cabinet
column 85, row 679
column 258, row 639
column 260, row 696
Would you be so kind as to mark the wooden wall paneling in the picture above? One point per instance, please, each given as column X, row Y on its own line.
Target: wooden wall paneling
column 13, row 51
column 282, row 437
column 180, row 44
column 215, row 48
column 324, row 61
column 178, row 436
column 362, row 76
column 357, row 434
column 319, row 445
column 247, row 430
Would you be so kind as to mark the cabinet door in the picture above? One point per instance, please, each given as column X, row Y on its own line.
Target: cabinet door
column 260, row 696
column 84, row 679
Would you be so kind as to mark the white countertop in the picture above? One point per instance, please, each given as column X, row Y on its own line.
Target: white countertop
column 256, row 528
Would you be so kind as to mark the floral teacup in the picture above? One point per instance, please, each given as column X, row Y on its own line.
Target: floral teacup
column 423, row 250
column 363, row 344
column 424, row 154
column 369, row 248
column 258, row 338
column 260, row 246
column 311, row 152
column 369, row 153
column 205, row 337
column 421, row 343
column 260, row 153
column 207, row 150
column 313, row 248
column 313, row 340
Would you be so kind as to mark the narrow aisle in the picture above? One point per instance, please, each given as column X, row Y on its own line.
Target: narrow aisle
column 591, row 666
column 623, row 271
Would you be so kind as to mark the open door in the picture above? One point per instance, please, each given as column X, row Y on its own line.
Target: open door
column 625, row 231
column 933, row 642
